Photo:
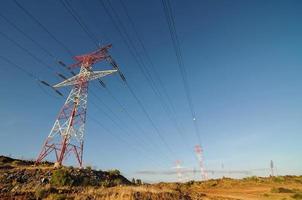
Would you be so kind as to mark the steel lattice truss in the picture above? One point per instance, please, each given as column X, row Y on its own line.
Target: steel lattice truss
column 199, row 155
column 67, row 133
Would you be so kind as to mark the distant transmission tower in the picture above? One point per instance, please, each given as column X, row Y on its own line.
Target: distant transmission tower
column 178, row 170
column 272, row 168
column 67, row 133
column 199, row 155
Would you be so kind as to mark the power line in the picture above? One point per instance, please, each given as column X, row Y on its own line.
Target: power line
column 27, row 36
column 140, row 145
column 45, row 50
column 27, row 51
column 78, row 19
column 145, row 144
column 84, row 28
column 116, row 136
column 135, row 122
column 168, row 107
column 30, row 74
column 43, row 27
column 134, row 53
column 176, row 45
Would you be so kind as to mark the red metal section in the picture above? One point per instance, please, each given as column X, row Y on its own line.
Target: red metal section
column 91, row 58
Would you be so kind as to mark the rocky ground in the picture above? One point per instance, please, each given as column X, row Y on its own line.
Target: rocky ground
column 22, row 180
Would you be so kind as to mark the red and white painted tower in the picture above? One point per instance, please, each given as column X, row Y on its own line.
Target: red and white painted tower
column 67, row 133
column 199, row 155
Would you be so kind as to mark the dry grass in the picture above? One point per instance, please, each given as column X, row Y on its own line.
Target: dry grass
column 24, row 186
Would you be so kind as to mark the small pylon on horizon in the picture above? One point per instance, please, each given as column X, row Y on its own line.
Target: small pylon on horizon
column 199, row 155
column 179, row 170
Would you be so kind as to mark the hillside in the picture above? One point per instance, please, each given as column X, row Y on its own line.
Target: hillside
column 20, row 179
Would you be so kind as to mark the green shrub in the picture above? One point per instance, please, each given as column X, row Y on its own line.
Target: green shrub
column 282, row 190
column 117, row 181
column 278, row 179
column 251, row 178
column 41, row 193
column 17, row 162
column 58, row 196
column 297, row 196
column 138, row 182
column 61, row 177
column 114, row 172
column 105, row 183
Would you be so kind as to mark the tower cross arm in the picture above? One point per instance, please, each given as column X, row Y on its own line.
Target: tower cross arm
column 91, row 75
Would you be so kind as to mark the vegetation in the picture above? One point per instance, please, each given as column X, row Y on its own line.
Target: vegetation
column 61, row 177
column 114, row 172
column 251, row 178
column 138, row 182
column 278, row 179
column 297, row 196
column 27, row 181
column 58, row 196
column 281, row 190
column 41, row 193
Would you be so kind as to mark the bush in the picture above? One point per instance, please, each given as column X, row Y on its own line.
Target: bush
column 117, row 182
column 278, row 179
column 41, row 193
column 297, row 196
column 114, row 172
column 251, row 178
column 281, row 190
column 138, row 182
column 105, row 183
column 58, row 196
column 61, row 177
column 17, row 162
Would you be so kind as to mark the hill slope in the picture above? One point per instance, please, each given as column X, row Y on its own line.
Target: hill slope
column 22, row 180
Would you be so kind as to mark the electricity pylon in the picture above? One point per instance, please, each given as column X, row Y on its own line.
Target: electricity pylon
column 199, row 152
column 178, row 170
column 272, row 168
column 67, row 133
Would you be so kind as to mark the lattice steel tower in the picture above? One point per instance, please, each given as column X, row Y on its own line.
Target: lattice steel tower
column 67, row 133
column 199, row 155
column 178, row 168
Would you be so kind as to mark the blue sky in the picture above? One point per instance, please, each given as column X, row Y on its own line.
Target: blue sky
column 243, row 61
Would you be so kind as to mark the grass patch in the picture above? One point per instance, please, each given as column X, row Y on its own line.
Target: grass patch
column 114, row 172
column 297, row 196
column 58, row 196
column 252, row 178
column 61, row 177
column 278, row 179
column 282, row 190
column 41, row 193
